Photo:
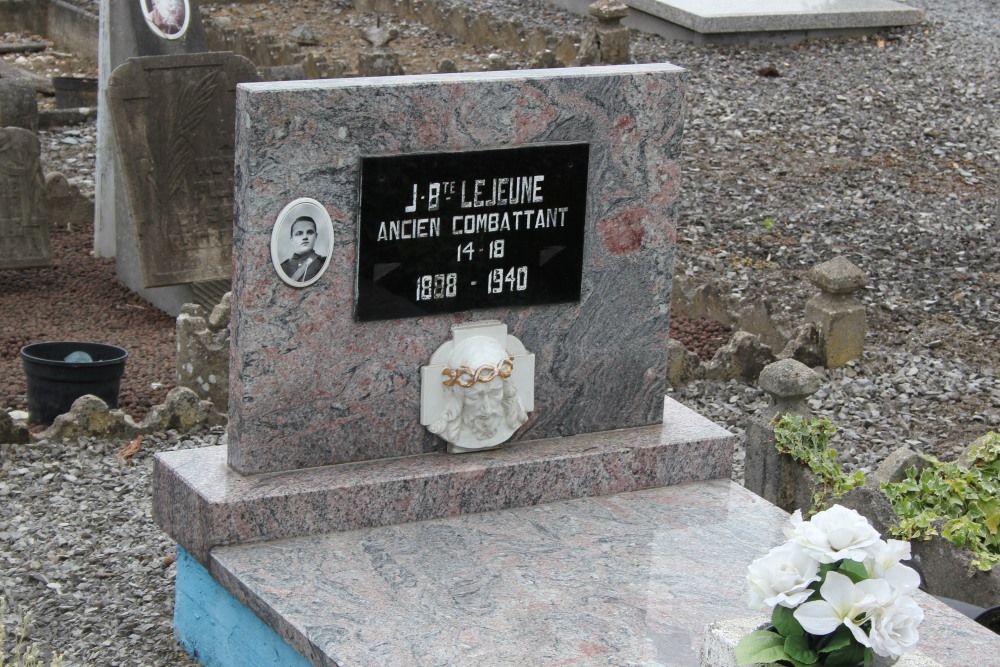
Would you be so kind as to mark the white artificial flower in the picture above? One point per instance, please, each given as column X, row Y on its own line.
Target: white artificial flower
column 782, row 577
column 833, row 534
column 844, row 602
column 884, row 564
column 894, row 628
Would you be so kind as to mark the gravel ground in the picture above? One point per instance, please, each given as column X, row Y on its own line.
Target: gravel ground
column 883, row 149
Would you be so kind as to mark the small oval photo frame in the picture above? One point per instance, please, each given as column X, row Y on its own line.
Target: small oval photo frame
column 168, row 19
column 297, row 259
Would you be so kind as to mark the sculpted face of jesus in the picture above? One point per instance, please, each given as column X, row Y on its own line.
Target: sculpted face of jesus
column 481, row 407
column 482, row 411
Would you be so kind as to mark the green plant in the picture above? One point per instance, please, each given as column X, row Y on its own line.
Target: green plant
column 807, row 441
column 960, row 501
column 768, row 223
column 24, row 655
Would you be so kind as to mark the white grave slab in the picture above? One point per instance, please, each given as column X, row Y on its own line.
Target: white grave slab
column 721, row 21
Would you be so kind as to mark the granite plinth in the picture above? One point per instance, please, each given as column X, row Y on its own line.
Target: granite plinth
column 729, row 16
column 202, row 503
column 311, row 386
column 629, row 579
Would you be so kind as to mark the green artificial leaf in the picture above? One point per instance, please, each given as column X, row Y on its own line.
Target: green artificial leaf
column 840, row 638
column 848, row 656
column 760, row 646
column 854, row 570
column 785, row 623
column 797, row 648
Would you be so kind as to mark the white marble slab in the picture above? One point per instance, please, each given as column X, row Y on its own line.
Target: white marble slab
column 727, row 16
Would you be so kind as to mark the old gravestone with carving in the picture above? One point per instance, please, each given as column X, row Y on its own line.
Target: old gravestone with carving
column 174, row 124
column 129, row 29
column 24, row 223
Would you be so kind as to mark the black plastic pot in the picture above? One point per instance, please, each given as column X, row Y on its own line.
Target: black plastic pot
column 54, row 383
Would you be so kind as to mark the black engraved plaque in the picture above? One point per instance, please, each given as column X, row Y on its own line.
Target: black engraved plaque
column 447, row 232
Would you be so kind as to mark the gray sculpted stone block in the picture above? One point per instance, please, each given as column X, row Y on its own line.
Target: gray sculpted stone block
column 313, row 386
column 173, row 119
column 18, row 104
column 128, row 29
column 24, row 221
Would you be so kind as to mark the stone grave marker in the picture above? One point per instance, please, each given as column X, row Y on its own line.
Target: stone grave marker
column 128, row 30
column 471, row 232
column 533, row 200
column 173, row 120
column 24, row 222
column 18, row 104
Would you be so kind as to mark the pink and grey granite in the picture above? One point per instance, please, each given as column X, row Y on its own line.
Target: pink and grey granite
column 312, row 387
column 202, row 503
column 628, row 579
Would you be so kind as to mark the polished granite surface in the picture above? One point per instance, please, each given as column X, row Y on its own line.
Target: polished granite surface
column 312, row 386
column 626, row 579
column 201, row 502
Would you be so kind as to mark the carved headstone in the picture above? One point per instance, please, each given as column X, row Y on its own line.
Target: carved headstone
column 126, row 33
column 24, row 222
column 18, row 104
column 174, row 124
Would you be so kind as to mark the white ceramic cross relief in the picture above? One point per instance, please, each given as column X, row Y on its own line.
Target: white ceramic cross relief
column 478, row 387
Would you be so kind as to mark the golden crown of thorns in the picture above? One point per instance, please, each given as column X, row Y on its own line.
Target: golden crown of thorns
column 465, row 377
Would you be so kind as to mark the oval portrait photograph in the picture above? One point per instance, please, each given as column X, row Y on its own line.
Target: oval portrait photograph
column 301, row 242
column 167, row 18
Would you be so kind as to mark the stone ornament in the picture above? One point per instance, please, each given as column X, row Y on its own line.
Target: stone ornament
column 166, row 18
column 478, row 387
column 302, row 242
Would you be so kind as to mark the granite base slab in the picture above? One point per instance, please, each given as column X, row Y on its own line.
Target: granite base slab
column 627, row 579
column 202, row 503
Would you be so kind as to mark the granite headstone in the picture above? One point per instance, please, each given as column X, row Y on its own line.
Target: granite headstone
column 24, row 223
column 173, row 120
column 320, row 378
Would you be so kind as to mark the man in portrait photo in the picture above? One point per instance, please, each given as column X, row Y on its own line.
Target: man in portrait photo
column 305, row 263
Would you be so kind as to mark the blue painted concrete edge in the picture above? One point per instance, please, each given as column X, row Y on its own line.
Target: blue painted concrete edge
column 217, row 630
